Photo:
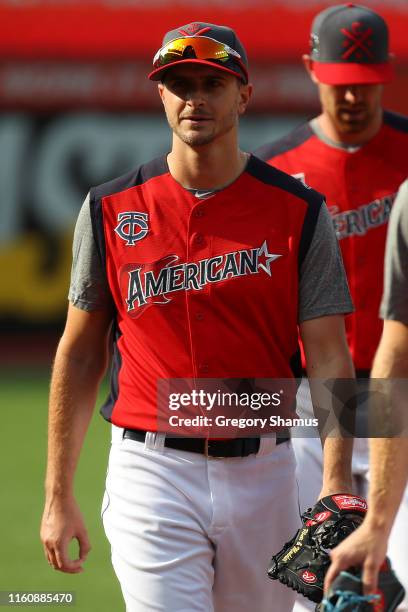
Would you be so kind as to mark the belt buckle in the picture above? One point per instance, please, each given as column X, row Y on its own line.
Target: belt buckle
column 206, row 453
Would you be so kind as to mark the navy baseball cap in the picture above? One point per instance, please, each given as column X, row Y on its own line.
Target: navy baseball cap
column 349, row 45
column 202, row 43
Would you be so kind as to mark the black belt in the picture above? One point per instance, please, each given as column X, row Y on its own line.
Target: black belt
column 237, row 447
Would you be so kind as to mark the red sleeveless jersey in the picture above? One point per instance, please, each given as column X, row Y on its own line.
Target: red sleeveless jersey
column 201, row 288
column 360, row 188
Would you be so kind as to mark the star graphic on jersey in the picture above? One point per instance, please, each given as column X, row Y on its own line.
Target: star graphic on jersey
column 269, row 258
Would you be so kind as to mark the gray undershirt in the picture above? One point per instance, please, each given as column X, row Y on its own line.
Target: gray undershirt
column 323, row 288
column 394, row 305
column 315, row 127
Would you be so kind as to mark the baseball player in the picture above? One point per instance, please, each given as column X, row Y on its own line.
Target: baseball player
column 389, row 456
column 203, row 263
column 354, row 153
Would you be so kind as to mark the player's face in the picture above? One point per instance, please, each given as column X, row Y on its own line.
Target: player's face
column 351, row 108
column 202, row 104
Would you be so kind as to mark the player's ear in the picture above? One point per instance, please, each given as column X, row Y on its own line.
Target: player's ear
column 245, row 93
column 160, row 88
column 308, row 64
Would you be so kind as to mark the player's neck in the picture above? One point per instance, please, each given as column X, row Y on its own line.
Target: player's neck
column 331, row 131
column 211, row 166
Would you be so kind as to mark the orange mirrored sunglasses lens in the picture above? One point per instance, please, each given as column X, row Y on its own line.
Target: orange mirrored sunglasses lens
column 192, row 48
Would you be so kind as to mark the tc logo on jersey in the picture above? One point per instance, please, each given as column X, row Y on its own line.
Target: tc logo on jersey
column 132, row 227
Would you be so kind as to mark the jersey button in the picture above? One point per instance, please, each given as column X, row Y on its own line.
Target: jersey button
column 199, row 239
column 199, row 212
column 204, row 367
column 200, row 316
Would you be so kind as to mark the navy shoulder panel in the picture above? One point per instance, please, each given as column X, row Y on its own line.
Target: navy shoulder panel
column 277, row 178
column 139, row 176
column 396, row 121
column 130, row 179
column 292, row 140
column 314, row 200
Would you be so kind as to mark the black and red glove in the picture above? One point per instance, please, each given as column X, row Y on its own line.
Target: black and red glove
column 303, row 561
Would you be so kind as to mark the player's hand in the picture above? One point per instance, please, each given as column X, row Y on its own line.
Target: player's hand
column 365, row 548
column 62, row 522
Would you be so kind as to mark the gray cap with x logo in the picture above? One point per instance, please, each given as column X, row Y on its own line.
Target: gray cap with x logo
column 349, row 44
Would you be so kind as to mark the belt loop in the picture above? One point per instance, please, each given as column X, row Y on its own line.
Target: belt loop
column 154, row 441
column 267, row 444
column 116, row 433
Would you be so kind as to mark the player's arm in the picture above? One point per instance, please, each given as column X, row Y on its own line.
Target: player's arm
column 367, row 546
column 79, row 365
column 324, row 298
column 389, row 456
column 328, row 357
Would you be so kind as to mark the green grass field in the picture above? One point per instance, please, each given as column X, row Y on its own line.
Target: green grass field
column 23, row 402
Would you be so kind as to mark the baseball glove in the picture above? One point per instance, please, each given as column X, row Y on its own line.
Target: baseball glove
column 303, row 562
column 346, row 593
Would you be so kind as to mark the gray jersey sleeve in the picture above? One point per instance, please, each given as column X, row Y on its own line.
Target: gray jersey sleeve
column 323, row 287
column 394, row 305
column 89, row 286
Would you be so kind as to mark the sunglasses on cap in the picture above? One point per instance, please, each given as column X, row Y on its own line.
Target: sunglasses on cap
column 194, row 47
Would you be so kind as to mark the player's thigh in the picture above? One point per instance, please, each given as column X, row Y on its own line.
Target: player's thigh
column 261, row 506
column 309, row 469
column 155, row 518
column 166, row 589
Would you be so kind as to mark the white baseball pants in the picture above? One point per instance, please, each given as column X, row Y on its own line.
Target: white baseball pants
column 195, row 534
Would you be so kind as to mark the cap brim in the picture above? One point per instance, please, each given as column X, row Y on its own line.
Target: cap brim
column 353, row 74
column 158, row 73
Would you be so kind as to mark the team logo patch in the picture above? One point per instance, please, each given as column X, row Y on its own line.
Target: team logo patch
column 357, row 42
column 322, row 516
column 309, row 577
column 132, row 227
column 318, row 518
column 314, row 43
column 194, row 29
column 153, row 283
column 347, row 502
